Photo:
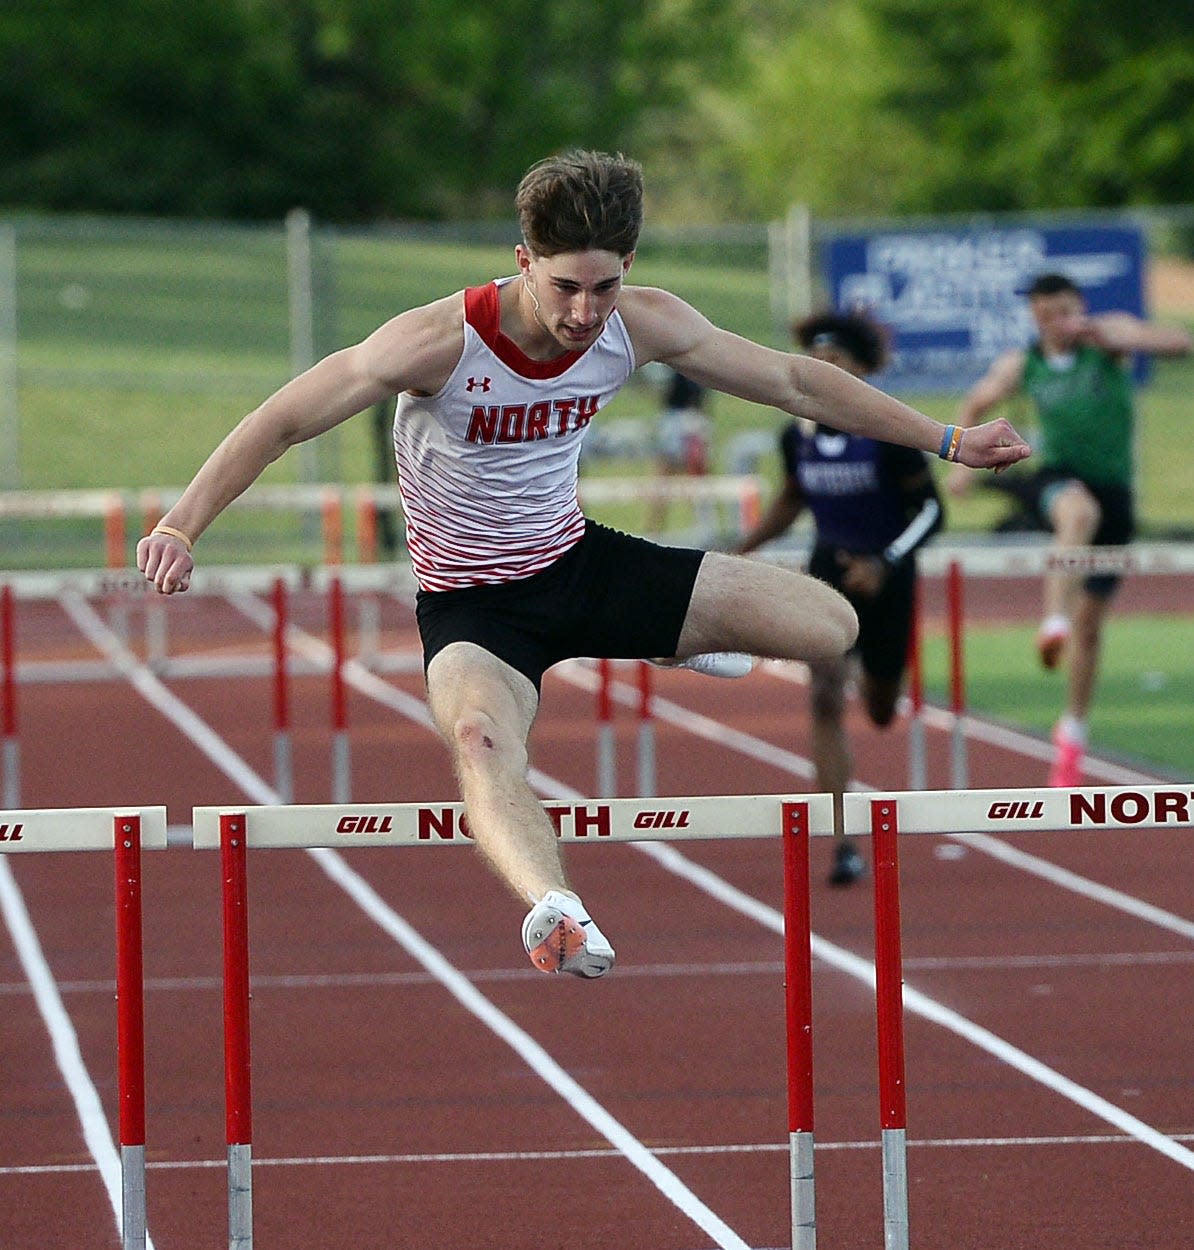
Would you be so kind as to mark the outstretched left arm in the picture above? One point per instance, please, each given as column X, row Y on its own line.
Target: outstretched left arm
column 663, row 327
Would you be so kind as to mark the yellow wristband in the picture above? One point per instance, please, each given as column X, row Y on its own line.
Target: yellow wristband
column 955, row 443
column 171, row 532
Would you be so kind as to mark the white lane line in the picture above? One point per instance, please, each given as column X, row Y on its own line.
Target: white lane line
column 334, row 865
column 755, row 748
column 759, row 967
column 1079, row 885
column 523, row 1044
column 922, row 1005
column 65, row 1043
column 846, row 961
column 564, row 1156
column 151, row 689
column 368, row 980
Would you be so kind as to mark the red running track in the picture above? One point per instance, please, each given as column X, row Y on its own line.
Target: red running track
column 387, row 1113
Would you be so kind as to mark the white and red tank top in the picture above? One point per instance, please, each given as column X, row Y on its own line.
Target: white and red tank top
column 487, row 468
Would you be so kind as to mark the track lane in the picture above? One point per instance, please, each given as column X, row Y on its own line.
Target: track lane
column 571, row 744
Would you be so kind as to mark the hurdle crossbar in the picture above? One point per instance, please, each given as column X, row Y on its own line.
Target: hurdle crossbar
column 957, row 813
column 444, row 824
column 125, row 832
column 234, row 831
column 1028, row 810
column 77, row 828
column 1031, row 558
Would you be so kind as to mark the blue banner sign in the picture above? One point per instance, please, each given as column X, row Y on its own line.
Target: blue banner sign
column 953, row 300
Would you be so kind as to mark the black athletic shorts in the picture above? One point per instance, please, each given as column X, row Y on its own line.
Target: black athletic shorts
column 611, row 595
column 1117, row 521
column 884, row 622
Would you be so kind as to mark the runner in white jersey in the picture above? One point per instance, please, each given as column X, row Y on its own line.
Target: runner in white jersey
column 514, row 579
column 488, row 466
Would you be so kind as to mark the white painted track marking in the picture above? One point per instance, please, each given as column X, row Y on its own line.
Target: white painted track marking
column 702, row 726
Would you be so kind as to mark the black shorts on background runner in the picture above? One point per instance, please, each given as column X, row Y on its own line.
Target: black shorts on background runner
column 611, row 595
column 1117, row 520
column 884, row 622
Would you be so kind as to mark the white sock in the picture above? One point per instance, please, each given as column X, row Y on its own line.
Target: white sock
column 1073, row 729
column 1059, row 623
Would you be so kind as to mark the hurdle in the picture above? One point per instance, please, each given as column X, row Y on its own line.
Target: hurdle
column 607, row 760
column 794, row 818
column 644, row 745
column 263, row 594
column 645, row 754
column 959, row 760
column 283, row 752
column 917, row 756
column 126, row 832
column 11, row 757
column 959, row 566
column 341, row 747
column 888, row 816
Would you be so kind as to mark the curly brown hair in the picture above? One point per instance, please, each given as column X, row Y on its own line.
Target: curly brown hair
column 579, row 202
column 855, row 332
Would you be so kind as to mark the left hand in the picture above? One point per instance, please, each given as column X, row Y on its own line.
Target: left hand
column 993, row 445
column 862, row 575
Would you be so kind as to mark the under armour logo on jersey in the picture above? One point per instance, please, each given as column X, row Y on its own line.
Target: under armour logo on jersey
column 473, row 384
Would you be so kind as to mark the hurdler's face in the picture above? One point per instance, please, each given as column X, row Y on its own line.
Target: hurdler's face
column 1060, row 318
column 572, row 294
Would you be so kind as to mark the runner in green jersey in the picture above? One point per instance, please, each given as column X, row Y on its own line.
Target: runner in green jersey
column 1076, row 375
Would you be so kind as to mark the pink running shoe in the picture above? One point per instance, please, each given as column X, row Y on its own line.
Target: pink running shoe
column 1066, row 772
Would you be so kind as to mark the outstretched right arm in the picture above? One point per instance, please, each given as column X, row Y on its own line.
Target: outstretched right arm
column 414, row 351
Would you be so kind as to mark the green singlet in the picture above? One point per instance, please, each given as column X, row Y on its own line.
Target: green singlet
column 1086, row 415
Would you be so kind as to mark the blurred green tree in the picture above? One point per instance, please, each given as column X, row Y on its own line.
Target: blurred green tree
column 804, row 123
column 1074, row 103
column 367, row 109
column 356, row 109
column 881, row 106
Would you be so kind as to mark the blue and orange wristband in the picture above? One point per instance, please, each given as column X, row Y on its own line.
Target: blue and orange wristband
column 951, row 443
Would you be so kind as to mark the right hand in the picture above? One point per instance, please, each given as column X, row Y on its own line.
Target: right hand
column 992, row 445
column 166, row 562
column 863, row 576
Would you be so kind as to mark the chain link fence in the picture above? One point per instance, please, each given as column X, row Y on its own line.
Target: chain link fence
column 129, row 347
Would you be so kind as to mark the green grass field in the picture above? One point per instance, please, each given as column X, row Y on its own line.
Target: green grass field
column 1142, row 709
column 141, row 344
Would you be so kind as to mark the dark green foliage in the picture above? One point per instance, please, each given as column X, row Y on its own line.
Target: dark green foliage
column 357, row 109
column 366, row 110
column 1075, row 103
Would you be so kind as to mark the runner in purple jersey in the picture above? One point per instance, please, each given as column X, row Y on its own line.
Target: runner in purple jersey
column 874, row 504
